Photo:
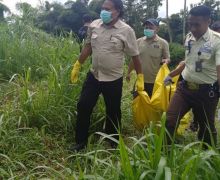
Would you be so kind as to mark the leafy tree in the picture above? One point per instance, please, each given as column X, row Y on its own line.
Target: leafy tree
column 150, row 7
column 167, row 21
column 55, row 17
column 95, row 6
column 176, row 24
column 3, row 8
column 47, row 6
column 138, row 10
column 68, row 4
column 59, row 18
column 48, row 20
column 133, row 15
column 85, row 2
column 184, row 20
column 177, row 54
column 163, row 31
column 28, row 13
column 214, row 5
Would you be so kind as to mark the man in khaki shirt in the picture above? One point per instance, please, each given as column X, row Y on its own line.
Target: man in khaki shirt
column 107, row 40
column 153, row 52
column 199, row 88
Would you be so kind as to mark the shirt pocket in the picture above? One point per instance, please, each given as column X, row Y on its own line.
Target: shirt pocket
column 155, row 52
column 205, row 56
column 142, row 49
column 116, row 43
column 206, row 52
column 94, row 39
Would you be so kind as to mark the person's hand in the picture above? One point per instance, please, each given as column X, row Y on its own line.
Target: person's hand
column 128, row 77
column 168, row 80
column 75, row 72
column 166, row 61
column 140, row 82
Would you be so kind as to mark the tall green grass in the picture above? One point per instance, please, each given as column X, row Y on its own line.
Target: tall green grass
column 37, row 119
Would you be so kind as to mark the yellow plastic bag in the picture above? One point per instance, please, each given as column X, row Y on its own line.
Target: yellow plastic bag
column 184, row 123
column 146, row 110
column 143, row 112
column 161, row 93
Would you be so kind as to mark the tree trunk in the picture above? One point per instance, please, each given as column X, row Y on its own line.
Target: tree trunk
column 168, row 22
column 184, row 21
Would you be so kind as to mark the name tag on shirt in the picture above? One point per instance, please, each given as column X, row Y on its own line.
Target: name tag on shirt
column 188, row 46
column 198, row 66
column 206, row 48
column 156, row 46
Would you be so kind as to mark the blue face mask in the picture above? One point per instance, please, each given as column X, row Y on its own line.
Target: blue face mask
column 149, row 33
column 106, row 16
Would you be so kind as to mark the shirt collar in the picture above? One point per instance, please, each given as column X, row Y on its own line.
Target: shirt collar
column 156, row 38
column 117, row 25
column 205, row 36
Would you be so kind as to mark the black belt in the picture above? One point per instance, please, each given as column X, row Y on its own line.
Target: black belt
column 195, row 86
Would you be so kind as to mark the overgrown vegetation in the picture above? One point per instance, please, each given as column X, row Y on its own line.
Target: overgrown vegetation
column 37, row 119
column 38, row 112
column 177, row 54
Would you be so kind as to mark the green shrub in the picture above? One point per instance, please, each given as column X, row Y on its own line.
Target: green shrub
column 177, row 54
column 23, row 47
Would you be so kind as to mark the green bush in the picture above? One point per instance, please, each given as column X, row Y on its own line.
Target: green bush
column 23, row 47
column 177, row 54
column 35, row 68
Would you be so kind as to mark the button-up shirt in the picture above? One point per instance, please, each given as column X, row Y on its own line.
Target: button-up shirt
column 207, row 51
column 151, row 54
column 108, row 47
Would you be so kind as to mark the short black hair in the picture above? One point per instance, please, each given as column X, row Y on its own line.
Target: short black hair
column 201, row 10
column 215, row 26
column 118, row 6
column 87, row 18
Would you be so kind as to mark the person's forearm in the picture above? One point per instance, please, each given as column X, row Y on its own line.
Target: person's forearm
column 178, row 70
column 86, row 52
column 137, row 64
column 130, row 67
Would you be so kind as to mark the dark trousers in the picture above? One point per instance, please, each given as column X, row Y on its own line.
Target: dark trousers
column 92, row 88
column 148, row 87
column 203, row 107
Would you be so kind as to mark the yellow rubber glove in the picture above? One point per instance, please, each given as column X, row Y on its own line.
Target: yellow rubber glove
column 140, row 82
column 75, row 72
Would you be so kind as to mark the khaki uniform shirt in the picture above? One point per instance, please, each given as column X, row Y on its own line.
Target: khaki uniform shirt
column 151, row 55
column 108, row 48
column 209, row 47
